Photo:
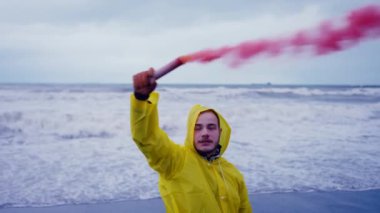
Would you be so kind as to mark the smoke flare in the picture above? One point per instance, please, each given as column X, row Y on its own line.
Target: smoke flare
column 359, row 24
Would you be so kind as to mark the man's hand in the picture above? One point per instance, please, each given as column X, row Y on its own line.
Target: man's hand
column 144, row 83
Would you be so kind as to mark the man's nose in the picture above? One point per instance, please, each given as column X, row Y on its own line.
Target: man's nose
column 204, row 132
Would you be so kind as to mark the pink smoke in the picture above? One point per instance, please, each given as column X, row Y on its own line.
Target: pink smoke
column 359, row 24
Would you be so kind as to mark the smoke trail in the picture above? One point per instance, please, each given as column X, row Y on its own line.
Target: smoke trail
column 359, row 24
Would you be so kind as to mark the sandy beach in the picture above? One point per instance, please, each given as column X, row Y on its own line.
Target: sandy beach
column 290, row 202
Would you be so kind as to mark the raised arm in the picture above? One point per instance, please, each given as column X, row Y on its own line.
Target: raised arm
column 162, row 154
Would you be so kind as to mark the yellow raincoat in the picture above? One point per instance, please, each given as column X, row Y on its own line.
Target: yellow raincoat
column 188, row 182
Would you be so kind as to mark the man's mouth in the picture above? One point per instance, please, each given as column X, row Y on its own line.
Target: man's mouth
column 205, row 141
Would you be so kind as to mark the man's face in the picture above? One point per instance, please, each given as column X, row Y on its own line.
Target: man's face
column 206, row 132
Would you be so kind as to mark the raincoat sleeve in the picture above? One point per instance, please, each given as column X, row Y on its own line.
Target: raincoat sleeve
column 245, row 205
column 163, row 155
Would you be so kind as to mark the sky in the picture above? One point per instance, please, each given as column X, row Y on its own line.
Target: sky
column 108, row 41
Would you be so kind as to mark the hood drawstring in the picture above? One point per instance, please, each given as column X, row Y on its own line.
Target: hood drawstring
column 213, row 157
column 224, row 179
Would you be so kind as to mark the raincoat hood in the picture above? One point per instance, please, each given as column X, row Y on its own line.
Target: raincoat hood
column 224, row 137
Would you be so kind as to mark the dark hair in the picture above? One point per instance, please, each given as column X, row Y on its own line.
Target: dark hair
column 214, row 112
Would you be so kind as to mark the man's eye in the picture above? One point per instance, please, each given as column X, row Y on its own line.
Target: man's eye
column 212, row 127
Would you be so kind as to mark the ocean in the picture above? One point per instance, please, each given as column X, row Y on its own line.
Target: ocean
column 71, row 143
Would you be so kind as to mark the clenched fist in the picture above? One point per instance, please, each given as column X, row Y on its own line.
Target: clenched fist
column 144, row 83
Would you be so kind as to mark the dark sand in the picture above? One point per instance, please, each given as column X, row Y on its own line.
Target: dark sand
column 292, row 202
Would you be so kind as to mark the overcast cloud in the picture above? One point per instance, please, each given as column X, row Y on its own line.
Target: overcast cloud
column 98, row 41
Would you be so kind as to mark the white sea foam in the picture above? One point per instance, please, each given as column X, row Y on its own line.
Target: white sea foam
column 306, row 91
column 74, row 146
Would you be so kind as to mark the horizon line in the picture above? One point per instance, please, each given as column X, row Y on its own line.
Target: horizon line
column 192, row 84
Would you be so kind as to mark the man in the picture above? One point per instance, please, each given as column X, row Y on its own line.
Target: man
column 193, row 177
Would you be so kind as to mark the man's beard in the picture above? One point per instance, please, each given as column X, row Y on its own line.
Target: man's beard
column 212, row 154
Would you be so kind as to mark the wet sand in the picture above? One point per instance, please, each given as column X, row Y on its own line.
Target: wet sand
column 289, row 202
